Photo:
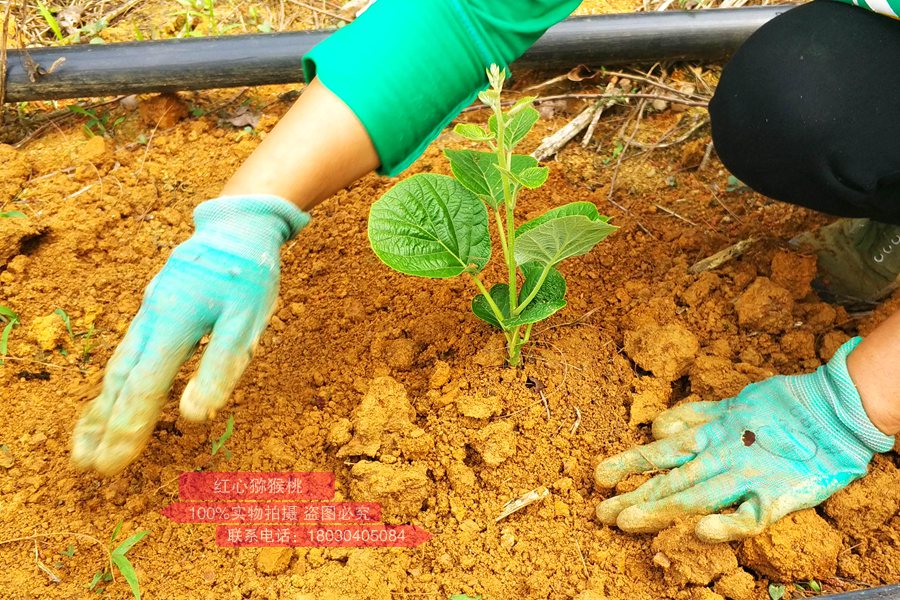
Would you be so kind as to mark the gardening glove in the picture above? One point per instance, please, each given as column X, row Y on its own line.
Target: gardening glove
column 779, row 446
column 223, row 280
column 858, row 259
column 428, row 58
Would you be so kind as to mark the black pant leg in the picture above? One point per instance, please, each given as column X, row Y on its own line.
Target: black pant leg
column 808, row 111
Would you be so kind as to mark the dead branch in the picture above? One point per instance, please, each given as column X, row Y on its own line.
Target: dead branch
column 316, row 9
column 675, row 142
column 659, row 84
column 721, row 257
column 622, row 96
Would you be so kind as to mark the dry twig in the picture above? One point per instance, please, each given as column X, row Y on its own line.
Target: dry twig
column 316, row 9
column 638, row 95
column 577, row 421
column 721, row 257
column 546, row 404
column 517, row 504
column 659, row 84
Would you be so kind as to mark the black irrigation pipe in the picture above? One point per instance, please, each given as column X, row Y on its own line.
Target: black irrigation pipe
column 885, row 592
column 249, row 60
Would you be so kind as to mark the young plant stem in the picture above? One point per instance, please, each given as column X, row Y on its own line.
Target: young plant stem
column 514, row 346
column 504, row 159
column 501, row 229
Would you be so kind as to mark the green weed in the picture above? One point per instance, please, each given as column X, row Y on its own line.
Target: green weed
column 776, row 591
column 87, row 345
column 219, row 444
column 13, row 214
column 201, row 12
column 119, row 559
column 51, row 21
column 9, row 319
column 97, row 123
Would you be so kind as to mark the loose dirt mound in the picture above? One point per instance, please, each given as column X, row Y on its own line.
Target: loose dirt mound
column 391, row 383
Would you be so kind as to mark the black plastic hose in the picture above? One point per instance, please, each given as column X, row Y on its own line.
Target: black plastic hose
column 886, row 592
column 248, row 60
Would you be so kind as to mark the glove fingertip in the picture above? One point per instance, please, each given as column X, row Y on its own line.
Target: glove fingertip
column 197, row 406
column 716, row 529
column 608, row 474
column 634, row 519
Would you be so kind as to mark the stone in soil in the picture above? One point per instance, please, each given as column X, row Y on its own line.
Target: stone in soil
column 687, row 560
column 163, row 111
column 48, row 332
column 14, row 234
column 737, row 585
column 794, row 272
column 799, row 547
column 667, row 351
column 400, row 489
column 651, row 398
column 495, row 443
column 765, row 306
column 714, row 377
column 272, row 561
column 478, row 407
column 865, row 505
column 381, row 419
column 16, row 171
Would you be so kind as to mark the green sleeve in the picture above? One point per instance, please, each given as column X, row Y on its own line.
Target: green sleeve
column 889, row 8
column 406, row 68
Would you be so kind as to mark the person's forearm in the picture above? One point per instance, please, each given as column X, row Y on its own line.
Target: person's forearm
column 318, row 148
column 875, row 370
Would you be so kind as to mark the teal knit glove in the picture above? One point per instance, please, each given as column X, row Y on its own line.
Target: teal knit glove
column 406, row 69
column 781, row 445
column 223, row 280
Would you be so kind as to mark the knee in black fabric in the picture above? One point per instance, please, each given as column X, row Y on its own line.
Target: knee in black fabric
column 807, row 111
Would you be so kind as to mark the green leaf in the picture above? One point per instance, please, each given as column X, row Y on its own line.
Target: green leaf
column 229, row 430
column 521, row 104
column 13, row 214
column 558, row 234
column 776, row 591
column 815, row 586
column 489, row 97
column 51, row 21
column 65, row 317
column 465, row 597
column 430, row 226
column 126, row 545
column 517, row 126
column 70, row 551
column 549, row 298
column 530, row 177
column 478, row 173
column 96, row 579
column 127, row 571
column 116, row 531
column 472, row 132
column 12, row 319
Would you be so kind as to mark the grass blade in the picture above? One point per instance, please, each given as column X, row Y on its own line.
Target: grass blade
column 51, row 21
column 125, row 546
column 127, row 571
